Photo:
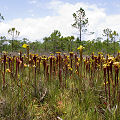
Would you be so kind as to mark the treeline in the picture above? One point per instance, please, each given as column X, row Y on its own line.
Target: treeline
column 56, row 42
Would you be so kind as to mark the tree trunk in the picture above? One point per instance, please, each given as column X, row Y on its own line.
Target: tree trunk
column 80, row 30
column 12, row 45
column 80, row 33
column 107, row 44
column 114, row 47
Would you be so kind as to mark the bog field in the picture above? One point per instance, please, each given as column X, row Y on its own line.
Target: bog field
column 59, row 87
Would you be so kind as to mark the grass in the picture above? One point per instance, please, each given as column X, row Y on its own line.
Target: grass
column 44, row 90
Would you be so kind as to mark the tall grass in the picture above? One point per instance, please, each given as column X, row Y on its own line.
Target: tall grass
column 67, row 87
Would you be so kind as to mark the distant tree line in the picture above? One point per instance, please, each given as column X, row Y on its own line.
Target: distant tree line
column 56, row 42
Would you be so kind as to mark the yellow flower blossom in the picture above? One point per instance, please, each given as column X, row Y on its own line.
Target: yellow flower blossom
column 106, row 83
column 105, row 66
column 110, row 58
column 4, row 52
column 68, row 65
column 34, row 66
column 80, row 48
column 71, row 52
column 100, row 53
column 76, row 72
column 25, row 65
column 58, row 52
column 44, row 58
column 77, row 64
column 8, row 70
column 51, row 54
column 18, row 75
column 116, row 64
column 69, row 68
column 25, row 45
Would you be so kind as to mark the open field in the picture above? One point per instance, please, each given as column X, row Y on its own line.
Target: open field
column 61, row 87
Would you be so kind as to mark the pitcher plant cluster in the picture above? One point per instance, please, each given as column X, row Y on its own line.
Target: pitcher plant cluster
column 94, row 71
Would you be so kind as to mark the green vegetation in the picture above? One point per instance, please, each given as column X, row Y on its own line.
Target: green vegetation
column 1, row 17
column 55, row 42
column 34, row 87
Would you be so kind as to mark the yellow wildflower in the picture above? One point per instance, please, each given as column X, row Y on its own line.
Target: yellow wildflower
column 71, row 52
column 25, row 45
column 105, row 66
column 100, row 53
column 77, row 64
column 80, row 48
column 110, row 58
column 8, row 70
column 68, row 65
column 18, row 75
column 116, row 63
column 51, row 54
column 78, row 59
column 106, row 83
column 25, row 65
column 44, row 58
column 58, row 52
column 34, row 66
column 4, row 52
column 76, row 72
column 70, row 68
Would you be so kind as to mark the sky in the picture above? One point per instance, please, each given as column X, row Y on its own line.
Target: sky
column 36, row 19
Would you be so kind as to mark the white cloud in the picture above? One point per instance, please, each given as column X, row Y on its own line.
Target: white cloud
column 55, row 4
column 32, row 1
column 37, row 28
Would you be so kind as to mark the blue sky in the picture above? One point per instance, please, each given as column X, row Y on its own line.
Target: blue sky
column 12, row 9
column 30, row 16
